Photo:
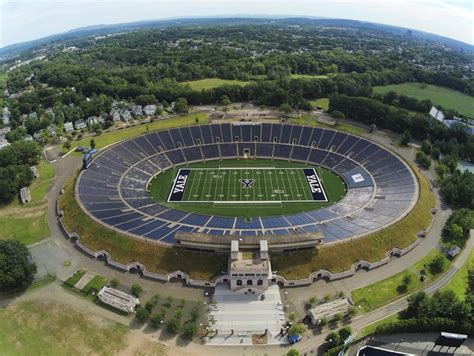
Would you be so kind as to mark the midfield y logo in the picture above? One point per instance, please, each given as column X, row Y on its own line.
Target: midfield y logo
column 247, row 183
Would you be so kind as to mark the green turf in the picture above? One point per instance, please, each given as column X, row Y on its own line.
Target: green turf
column 334, row 188
column 459, row 284
column 95, row 284
column 448, row 98
column 323, row 102
column 71, row 281
column 211, row 83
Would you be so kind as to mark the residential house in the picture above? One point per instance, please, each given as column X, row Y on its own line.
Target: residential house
column 436, row 114
column 137, row 110
column 6, row 116
column 94, row 120
column 115, row 115
column 68, row 127
column 149, row 110
column 33, row 115
column 125, row 115
column 28, row 138
column 51, row 114
column 3, row 142
column 80, row 124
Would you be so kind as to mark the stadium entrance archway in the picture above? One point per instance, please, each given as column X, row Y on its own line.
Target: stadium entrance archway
column 247, row 153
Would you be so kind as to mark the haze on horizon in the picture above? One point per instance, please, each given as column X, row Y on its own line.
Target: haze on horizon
column 24, row 20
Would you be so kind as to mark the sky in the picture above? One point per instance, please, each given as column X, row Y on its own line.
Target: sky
column 24, row 20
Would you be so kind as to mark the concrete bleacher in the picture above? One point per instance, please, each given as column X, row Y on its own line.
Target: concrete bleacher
column 381, row 187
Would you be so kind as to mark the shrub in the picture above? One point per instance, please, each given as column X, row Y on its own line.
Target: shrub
column 297, row 329
column 156, row 321
column 114, row 282
column 136, row 289
column 189, row 330
column 142, row 314
column 173, row 326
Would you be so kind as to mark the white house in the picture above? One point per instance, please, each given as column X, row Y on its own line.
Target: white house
column 118, row 299
column 149, row 110
column 80, row 124
column 137, row 110
column 6, row 116
column 68, row 127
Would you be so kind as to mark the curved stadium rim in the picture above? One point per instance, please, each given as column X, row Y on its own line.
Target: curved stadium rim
column 330, row 149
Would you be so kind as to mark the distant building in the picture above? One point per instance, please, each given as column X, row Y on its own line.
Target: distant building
column 436, row 114
column 454, row 251
column 80, row 124
column 94, row 120
column 137, row 110
column 33, row 115
column 328, row 310
column 118, row 299
column 35, row 172
column 25, row 195
column 38, row 135
column 249, row 270
column 68, row 127
column 4, row 131
column 115, row 115
column 6, row 115
column 125, row 115
column 3, row 142
column 28, row 138
column 149, row 110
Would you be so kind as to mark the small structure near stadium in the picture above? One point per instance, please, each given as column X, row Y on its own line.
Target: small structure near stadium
column 118, row 299
column 25, row 195
column 249, row 270
column 328, row 310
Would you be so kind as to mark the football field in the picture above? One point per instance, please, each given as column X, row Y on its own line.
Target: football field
column 247, row 185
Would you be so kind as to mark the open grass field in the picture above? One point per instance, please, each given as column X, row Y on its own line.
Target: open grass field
column 323, row 102
column 211, row 83
column 26, row 229
column 380, row 293
column 45, row 328
column 27, row 223
column 157, row 258
column 216, row 188
column 107, row 138
column 373, row 247
column 448, row 98
column 459, row 283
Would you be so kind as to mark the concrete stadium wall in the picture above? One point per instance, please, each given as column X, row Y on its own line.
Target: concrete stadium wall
column 180, row 275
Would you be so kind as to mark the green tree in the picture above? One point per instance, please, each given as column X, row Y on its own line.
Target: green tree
column 297, row 329
column 423, row 159
column 67, row 145
column 225, row 101
column 181, row 106
column 92, row 143
column 293, row 352
column 189, row 330
column 136, row 289
column 16, row 268
column 173, row 326
column 156, row 321
column 333, row 339
column 142, row 314
column 406, row 138
column 338, row 115
column 426, row 147
column 286, row 108
column 344, row 333
column 437, row 265
column 114, row 282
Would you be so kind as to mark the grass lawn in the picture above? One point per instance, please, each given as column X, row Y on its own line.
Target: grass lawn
column 459, row 283
column 26, row 229
column 448, row 98
column 338, row 258
column 95, row 284
column 211, row 83
column 42, row 328
column 107, row 138
column 309, row 120
column 160, row 188
column 157, row 258
column 370, row 329
column 71, row 281
column 308, row 76
column 323, row 102
column 380, row 293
